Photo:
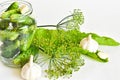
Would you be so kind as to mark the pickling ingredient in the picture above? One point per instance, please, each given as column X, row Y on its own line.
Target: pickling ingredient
column 5, row 21
column 31, row 70
column 16, row 39
column 7, row 14
column 24, row 9
column 89, row 44
column 26, row 37
column 1, row 43
column 102, row 55
column 7, row 35
column 61, row 47
column 72, row 21
column 92, row 55
column 13, row 8
column 57, row 50
column 14, row 5
column 23, row 19
column 4, row 24
column 10, row 48
column 24, row 56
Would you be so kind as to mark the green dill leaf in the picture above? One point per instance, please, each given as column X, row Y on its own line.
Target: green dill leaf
column 103, row 40
column 77, row 36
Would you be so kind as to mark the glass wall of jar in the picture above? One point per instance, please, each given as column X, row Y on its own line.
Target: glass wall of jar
column 16, row 29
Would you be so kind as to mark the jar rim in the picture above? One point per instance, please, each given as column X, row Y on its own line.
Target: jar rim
column 4, row 5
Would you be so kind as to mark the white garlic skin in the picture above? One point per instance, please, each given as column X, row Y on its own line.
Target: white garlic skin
column 1, row 43
column 31, row 71
column 89, row 44
column 102, row 55
column 24, row 9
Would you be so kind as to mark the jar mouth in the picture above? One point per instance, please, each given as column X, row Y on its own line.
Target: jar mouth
column 6, row 4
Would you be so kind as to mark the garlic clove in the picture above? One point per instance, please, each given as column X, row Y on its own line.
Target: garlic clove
column 24, row 9
column 31, row 71
column 102, row 55
column 89, row 44
column 1, row 43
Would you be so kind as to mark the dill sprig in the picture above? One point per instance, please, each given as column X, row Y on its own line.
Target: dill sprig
column 72, row 21
column 63, row 55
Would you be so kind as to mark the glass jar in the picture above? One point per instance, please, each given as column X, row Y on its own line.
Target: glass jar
column 15, row 36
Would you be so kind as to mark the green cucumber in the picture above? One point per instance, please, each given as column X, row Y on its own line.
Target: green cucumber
column 14, row 5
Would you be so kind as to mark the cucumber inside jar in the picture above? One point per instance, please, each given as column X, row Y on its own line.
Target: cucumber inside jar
column 26, row 37
column 16, row 32
column 10, row 48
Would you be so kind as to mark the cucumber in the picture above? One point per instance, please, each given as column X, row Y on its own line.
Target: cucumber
column 4, row 24
column 10, row 48
column 14, row 5
column 6, row 15
column 26, row 40
column 23, row 19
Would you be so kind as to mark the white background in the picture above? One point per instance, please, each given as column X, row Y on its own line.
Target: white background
column 101, row 17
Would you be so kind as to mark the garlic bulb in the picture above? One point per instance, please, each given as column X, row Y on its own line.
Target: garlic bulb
column 102, row 55
column 89, row 44
column 31, row 71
